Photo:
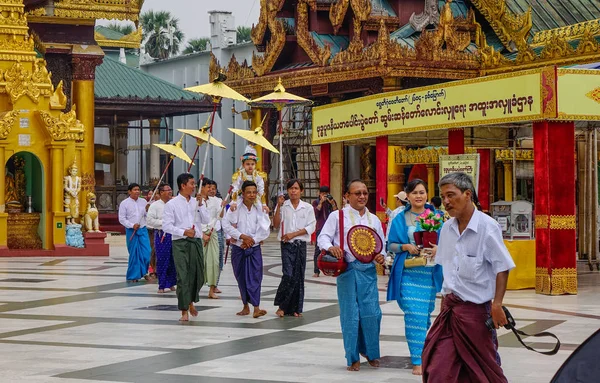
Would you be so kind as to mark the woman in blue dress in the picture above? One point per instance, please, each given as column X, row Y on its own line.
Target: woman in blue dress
column 413, row 288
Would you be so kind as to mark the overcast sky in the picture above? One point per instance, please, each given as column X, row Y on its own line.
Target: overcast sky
column 193, row 14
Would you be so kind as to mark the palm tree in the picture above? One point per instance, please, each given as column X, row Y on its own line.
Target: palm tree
column 161, row 34
column 125, row 29
column 243, row 34
column 196, row 45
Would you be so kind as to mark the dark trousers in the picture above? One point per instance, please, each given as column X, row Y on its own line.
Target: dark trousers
column 316, row 255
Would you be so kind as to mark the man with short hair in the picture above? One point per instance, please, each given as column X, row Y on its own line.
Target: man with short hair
column 183, row 218
column 358, row 297
column 459, row 347
column 165, row 266
column 323, row 206
column 248, row 226
column 132, row 215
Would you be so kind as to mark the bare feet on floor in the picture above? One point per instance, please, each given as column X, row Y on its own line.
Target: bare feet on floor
column 213, row 296
column 184, row 316
column 245, row 311
column 417, row 370
column 193, row 310
column 372, row 363
column 217, row 290
column 354, row 366
column 315, row 275
column 259, row 313
column 279, row 313
column 161, row 291
column 297, row 315
column 173, row 288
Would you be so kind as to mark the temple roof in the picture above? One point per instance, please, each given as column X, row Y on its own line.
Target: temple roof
column 130, row 92
column 551, row 14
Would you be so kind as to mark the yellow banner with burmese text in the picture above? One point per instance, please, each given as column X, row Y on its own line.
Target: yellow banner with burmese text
column 528, row 95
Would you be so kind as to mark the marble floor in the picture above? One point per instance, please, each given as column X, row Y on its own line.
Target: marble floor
column 78, row 320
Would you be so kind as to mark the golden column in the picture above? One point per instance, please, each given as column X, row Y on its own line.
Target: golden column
column 154, row 151
column 395, row 177
column 84, row 62
column 336, row 158
column 255, row 124
column 508, row 181
column 430, row 181
column 3, row 213
column 58, row 212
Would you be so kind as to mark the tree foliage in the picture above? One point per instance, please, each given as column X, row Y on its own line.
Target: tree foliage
column 243, row 34
column 161, row 34
column 196, row 45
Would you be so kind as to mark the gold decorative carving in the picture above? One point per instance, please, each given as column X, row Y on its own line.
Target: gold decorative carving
column 430, row 15
column 562, row 222
column 403, row 156
column 213, row 67
column 556, row 281
column 64, row 127
column 94, row 9
column 557, row 47
column 235, row 71
column 58, row 101
column 512, row 29
column 319, row 56
column 132, row 40
column 541, row 221
column 264, row 64
column 88, row 182
column 570, row 32
column 361, row 9
column 507, row 155
column 337, row 13
column 7, row 121
column 268, row 12
column 594, row 95
column 19, row 83
column 23, row 231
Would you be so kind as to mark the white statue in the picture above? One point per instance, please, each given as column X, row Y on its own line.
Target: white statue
column 92, row 223
column 72, row 185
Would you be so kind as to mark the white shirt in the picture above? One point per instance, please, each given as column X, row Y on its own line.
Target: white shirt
column 302, row 217
column 253, row 222
column 471, row 260
column 214, row 210
column 178, row 216
column 330, row 234
column 155, row 214
column 132, row 211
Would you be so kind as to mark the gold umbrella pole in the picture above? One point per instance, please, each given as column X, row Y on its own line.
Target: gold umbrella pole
column 212, row 121
column 280, row 110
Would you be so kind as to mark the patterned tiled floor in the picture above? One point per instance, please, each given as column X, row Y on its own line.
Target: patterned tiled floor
column 77, row 320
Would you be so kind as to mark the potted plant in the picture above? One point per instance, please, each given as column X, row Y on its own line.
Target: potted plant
column 430, row 222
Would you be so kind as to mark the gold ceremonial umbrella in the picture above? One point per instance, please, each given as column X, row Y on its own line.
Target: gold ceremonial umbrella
column 279, row 98
column 202, row 135
column 217, row 90
column 174, row 150
column 255, row 136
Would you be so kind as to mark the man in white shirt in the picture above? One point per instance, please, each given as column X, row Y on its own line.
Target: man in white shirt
column 296, row 222
column 183, row 217
column 210, row 238
column 132, row 215
column 212, row 192
column 165, row 266
column 459, row 346
column 358, row 297
column 248, row 226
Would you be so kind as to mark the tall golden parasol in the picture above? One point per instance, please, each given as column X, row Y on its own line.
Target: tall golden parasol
column 202, row 136
column 175, row 150
column 217, row 90
column 280, row 99
column 256, row 136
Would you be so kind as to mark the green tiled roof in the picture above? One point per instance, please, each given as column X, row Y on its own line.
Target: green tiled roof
column 116, row 80
column 109, row 33
column 551, row 14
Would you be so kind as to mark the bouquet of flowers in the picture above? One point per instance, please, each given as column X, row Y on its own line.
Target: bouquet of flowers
column 430, row 223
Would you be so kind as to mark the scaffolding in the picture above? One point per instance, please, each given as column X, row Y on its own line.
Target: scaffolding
column 300, row 158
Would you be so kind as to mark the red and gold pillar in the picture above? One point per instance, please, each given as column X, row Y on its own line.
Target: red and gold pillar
column 554, row 180
column 395, row 177
column 484, row 178
column 381, row 175
column 456, row 141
